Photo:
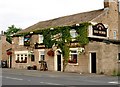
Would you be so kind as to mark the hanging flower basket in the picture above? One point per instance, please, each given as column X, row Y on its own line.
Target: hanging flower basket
column 50, row 53
column 9, row 53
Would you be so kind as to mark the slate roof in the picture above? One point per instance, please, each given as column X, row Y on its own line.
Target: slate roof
column 65, row 20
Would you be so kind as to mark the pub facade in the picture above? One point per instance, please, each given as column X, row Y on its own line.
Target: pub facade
column 101, row 55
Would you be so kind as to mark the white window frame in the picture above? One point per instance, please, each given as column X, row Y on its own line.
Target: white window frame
column 40, row 51
column 41, row 38
column 16, row 56
column 73, row 31
column 20, row 57
column 21, row 40
column 21, row 53
column 74, row 49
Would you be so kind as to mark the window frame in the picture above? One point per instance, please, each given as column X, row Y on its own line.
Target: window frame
column 76, row 53
column 21, row 40
column 41, row 38
column 32, row 58
column 73, row 31
column 21, row 58
column 41, row 52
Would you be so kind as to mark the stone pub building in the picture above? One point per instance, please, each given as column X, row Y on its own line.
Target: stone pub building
column 101, row 55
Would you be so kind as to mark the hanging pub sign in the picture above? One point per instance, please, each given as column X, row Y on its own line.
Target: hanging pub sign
column 99, row 30
column 27, row 40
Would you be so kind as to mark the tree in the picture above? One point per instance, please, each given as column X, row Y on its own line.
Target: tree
column 10, row 31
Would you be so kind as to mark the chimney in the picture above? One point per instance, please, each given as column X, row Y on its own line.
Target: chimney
column 108, row 3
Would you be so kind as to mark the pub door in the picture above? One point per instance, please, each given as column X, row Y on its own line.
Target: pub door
column 93, row 63
column 58, row 62
column 10, row 61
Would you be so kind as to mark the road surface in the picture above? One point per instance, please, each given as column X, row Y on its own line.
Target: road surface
column 33, row 77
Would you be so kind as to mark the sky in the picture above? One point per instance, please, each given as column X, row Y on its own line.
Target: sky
column 24, row 13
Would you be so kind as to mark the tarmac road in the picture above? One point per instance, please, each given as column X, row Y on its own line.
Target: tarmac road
column 35, row 77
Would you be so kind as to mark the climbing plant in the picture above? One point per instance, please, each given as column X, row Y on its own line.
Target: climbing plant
column 82, row 31
column 64, row 38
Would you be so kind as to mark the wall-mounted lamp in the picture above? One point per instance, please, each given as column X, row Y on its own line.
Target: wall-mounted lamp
column 31, row 32
column 51, row 28
column 77, row 24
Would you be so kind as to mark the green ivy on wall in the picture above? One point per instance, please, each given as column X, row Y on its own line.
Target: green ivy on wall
column 82, row 31
column 65, row 38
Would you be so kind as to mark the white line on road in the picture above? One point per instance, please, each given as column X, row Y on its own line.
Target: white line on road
column 29, row 80
column 114, row 82
column 13, row 78
column 50, row 83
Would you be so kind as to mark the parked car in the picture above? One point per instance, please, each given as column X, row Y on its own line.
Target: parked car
column 4, row 64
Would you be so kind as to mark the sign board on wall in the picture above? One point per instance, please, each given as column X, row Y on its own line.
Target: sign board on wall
column 98, row 30
column 39, row 46
column 57, row 37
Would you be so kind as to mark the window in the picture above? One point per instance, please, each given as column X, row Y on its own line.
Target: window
column 41, row 55
column 25, row 58
column 40, row 38
column 21, row 58
column 21, row 40
column 73, row 33
column 114, row 34
column 73, row 56
column 32, row 58
column 17, row 58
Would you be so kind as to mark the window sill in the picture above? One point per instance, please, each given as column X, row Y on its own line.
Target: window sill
column 74, row 64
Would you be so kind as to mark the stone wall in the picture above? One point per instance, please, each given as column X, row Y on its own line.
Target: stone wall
column 17, row 47
column 106, row 59
column 107, row 56
column 5, row 46
column 81, row 66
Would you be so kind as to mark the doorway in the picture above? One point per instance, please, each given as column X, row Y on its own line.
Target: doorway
column 58, row 62
column 10, row 61
column 92, row 62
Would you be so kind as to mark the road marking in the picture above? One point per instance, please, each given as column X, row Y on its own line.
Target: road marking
column 50, row 83
column 29, row 80
column 114, row 82
column 13, row 78
column 41, row 82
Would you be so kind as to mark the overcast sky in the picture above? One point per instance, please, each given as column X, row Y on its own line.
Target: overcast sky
column 24, row 13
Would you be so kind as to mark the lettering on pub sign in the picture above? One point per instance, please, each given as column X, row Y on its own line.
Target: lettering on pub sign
column 39, row 46
column 99, row 30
